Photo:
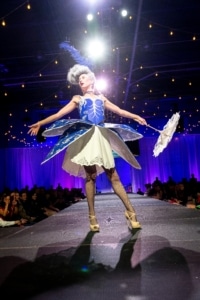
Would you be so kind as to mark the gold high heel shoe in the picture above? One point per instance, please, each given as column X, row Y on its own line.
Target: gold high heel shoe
column 131, row 217
column 93, row 227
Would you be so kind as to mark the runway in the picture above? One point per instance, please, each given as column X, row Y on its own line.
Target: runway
column 59, row 258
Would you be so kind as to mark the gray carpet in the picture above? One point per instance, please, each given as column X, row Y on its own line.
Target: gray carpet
column 59, row 258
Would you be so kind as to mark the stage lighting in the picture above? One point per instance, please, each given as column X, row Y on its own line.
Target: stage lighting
column 90, row 17
column 95, row 49
column 101, row 84
column 124, row 13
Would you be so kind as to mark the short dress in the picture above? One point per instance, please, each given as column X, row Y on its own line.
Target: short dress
column 89, row 141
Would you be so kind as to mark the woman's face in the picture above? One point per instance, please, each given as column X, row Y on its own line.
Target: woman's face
column 14, row 201
column 85, row 81
column 34, row 196
column 6, row 199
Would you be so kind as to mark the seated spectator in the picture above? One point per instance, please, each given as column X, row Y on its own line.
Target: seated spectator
column 4, row 203
column 19, row 207
column 192, row 186
column 171, row 181
column 37, row 211
column 23, row 199
column 77, row 195
column 148, row 188
column 59, row 199
column 157, row 192
column 68, row 196
column 5, row 209
column 170, row 191
column 156, row 182
column 14, row 211
column 181, row 194
column 49, row 204
column 197, row 200
column 140, row 192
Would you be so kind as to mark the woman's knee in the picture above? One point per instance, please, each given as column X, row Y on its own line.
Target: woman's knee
column 112, row 175
column 91, row 173
column 91, row 177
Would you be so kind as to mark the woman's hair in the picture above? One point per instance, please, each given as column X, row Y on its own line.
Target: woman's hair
column 77, row 70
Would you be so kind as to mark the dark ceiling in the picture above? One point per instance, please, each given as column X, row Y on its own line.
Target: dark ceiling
column 152, row 60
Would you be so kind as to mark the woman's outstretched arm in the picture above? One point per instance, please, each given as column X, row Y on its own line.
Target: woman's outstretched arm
column 34, row 128
column 123, row 113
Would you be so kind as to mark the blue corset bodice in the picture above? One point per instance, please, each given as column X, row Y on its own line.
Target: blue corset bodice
column 92, row 110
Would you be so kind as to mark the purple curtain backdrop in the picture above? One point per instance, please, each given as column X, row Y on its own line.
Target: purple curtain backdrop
column 22, row 166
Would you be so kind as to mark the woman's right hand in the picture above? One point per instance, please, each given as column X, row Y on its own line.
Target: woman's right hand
column 34, row 128
column 7, row 200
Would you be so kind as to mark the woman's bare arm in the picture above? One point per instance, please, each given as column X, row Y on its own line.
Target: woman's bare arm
column 123, row 113
column 34, row 128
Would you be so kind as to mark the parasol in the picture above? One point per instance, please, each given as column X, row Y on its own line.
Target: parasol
column 166, row 134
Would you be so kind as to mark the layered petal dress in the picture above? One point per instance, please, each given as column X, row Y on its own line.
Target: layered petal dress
column 89, row 141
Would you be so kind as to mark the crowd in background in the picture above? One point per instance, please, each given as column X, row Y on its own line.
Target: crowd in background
column 28, row 206
column 186, row 192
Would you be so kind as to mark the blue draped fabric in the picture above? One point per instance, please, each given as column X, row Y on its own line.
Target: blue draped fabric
column 22, row 166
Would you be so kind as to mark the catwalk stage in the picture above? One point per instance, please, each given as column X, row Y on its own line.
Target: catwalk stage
column 59, row 258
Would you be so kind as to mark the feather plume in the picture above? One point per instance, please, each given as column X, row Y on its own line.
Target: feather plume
column 75, row 54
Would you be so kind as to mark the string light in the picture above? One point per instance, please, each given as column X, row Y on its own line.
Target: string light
column 28, row 6
column 3, row 23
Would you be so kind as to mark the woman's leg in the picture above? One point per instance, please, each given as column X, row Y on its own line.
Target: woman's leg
column 121, row 193
column 90, row 194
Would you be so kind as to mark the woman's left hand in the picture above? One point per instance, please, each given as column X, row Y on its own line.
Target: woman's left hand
column 141, row 120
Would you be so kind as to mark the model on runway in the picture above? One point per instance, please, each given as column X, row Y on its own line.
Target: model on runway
column 89, row 142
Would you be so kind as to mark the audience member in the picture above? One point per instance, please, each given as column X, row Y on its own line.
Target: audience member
column 157, row 182
column 181, row 194
column 6, row 211
column 140, row 192
column 14, row 211
column 37, row 211
column 148, row 188
column 4, row 204
column 171, row 181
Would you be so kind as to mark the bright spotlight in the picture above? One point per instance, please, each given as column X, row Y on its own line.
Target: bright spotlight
column 124, row 13
column 95, row 49
column 90, row 17
column 101, row 84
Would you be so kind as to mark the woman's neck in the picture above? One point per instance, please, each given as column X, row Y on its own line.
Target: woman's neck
column 88, row 92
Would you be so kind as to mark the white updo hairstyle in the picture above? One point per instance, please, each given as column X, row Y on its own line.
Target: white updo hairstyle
column 77, row 70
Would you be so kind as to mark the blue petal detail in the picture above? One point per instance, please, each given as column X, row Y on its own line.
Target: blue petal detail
column 126, row 132
column 65, row 140
column 60, row 126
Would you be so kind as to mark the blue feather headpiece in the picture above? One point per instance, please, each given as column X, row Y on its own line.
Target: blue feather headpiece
column 75, row 54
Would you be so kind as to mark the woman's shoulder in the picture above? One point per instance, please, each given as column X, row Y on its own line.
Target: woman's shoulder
column 76, row 98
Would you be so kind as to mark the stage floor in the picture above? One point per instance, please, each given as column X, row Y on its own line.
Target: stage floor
column 59, row 258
